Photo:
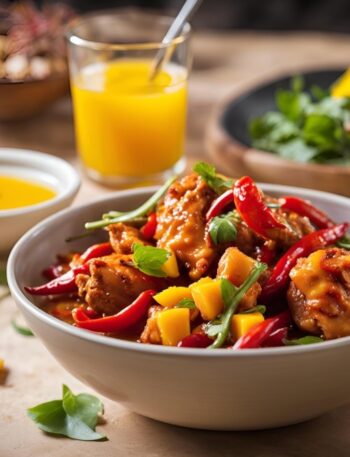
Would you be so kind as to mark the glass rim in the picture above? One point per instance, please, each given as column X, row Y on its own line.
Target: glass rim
column 73, row 37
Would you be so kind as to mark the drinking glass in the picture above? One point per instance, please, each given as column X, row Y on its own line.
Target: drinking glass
column 130, row 129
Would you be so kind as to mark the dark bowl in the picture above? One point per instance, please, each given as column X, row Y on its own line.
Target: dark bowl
column 229, row 143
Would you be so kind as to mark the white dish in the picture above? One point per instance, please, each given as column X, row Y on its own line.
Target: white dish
column 44, row 169
column 199, row 388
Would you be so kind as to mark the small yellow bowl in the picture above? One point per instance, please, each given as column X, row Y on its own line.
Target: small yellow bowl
column 39, row 168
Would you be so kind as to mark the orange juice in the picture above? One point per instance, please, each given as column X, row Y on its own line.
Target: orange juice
column 127, row 126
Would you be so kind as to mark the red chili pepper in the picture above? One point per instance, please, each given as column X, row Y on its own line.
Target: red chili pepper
column 252, row 209
column 276, row 338
column 125, row 319
column 97, row 250
column 53, row 272
column 149, row 229
column 265, row 254
column 220, row 204
column 302, row 248
column 65, row 284
column 196, row 340
column 258, row 334
column 305, row 208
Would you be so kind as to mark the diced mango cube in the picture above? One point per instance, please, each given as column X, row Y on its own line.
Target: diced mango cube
column 242, row 323
column 207, row 297
column 174, row 325
column 2, row 364
column 235, row 266
column 170, row 267
column 172, row 296
column 200, row 281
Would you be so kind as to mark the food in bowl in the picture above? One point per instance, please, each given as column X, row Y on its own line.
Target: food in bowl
column 208, row 262
column 33, row 186
column 32, row 41
column 307, row 127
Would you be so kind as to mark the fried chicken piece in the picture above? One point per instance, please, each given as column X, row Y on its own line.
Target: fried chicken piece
column 181, row 224
column 151, row 333
column 123, row 237
column 114, row 284
column 319, row 294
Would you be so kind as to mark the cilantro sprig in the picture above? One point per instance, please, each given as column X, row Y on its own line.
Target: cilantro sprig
column 208, row 173
column 149, row 259
column 74, row 416
column 308, row 126
column 231, row 296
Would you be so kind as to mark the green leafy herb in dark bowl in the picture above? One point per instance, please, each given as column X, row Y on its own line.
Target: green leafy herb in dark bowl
column 308, row 126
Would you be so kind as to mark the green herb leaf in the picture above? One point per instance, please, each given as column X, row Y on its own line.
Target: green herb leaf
column 186, row 303
column 228, row 291
column 305, row 129
column 149, row 259
column 344, row 243
column 235, row 296
column 25, row 331
column 208, row 174
column 75, row 416
column 293, row 104
column 116, row 216
column 256, row 309
column 222, row 229
column 86, row 407
column 303, row 340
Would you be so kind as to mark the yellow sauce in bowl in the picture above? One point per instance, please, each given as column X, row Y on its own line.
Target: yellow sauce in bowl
column 17, row 192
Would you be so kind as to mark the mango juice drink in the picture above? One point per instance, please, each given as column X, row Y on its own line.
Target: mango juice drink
column 125, row 124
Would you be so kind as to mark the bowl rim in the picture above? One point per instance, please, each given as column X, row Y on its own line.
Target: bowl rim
column 150, row 349
column 20, row 157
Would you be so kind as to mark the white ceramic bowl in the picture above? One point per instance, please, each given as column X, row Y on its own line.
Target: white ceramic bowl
column 44, row 169
column 209, row 389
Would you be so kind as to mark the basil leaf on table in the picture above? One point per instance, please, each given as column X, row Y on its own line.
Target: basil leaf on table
column 75, row 416
column 222, row 229
column 208, row 174
column 186, row 303
column 25, row 331
column 149, row 259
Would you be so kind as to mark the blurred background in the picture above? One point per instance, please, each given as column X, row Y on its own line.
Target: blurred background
column 320, row 15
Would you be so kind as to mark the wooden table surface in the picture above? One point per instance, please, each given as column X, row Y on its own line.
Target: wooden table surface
column 224, row 64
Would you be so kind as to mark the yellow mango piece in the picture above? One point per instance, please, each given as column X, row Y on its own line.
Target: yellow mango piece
column 241, row 323
column 174, row 325
column 235, row 266
column 170, row 267
column 341, row 88
column 207, row 297
column 172, row 296
column 2, row 364
column 200, row 281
